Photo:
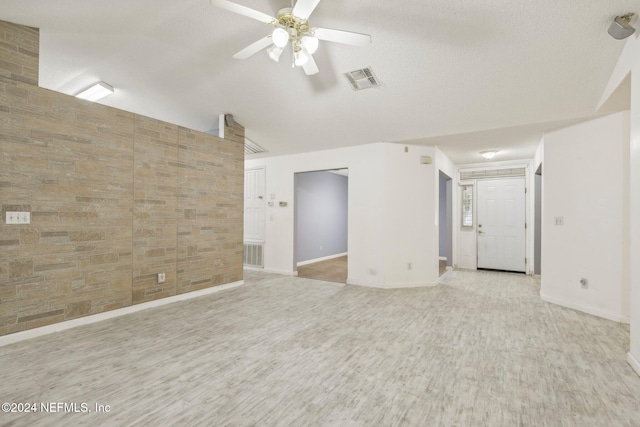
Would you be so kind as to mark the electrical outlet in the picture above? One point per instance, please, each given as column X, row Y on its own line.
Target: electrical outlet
column 408, row 266
column 584, row 283
column 18, row 217
column 559, row 220
column 162, row 278
column 321, row 247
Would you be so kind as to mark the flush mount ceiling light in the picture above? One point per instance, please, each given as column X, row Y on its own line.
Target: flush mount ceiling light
column 292, row 28
column 488, row 154
column 620, row 28
column 96, row 92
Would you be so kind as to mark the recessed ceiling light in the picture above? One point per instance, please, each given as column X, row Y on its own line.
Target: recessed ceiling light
column 96, row 92
column 488, row 154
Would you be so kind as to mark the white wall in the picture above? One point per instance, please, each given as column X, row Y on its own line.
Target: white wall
column 583, row 182
column 634, row 210
column 629, row 65
column 393, row 206
column 411, row 217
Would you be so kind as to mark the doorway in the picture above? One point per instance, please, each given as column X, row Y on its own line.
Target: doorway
column 445, row 223
column 537, row 245
column 321, row 224
column 502, row 224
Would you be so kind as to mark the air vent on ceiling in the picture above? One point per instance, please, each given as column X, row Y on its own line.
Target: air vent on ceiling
column 362, row 79
column 251, row 147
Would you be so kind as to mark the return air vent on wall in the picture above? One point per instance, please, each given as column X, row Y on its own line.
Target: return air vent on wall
column 362, row 79
column 253, row 255
column 251, row 147
column 492, row 173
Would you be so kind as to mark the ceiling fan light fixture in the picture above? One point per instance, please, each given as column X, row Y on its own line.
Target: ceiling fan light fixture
column 280, row 37
column 274, row 53
column 301, row 58
column 310, row 43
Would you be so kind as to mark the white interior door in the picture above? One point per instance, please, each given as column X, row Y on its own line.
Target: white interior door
column 254, row 210
column 501, row 224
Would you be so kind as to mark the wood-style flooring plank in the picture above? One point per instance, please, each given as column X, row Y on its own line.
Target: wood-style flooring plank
column 480, row 349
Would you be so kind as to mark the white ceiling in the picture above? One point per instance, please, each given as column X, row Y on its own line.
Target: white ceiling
column 465, row 75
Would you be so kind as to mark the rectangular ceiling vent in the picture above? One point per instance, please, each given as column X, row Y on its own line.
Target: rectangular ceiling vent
column 492, row 173
column 251, row 147
column 362, row 79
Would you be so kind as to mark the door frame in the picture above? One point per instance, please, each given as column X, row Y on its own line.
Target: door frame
column 295, row 213
column 464, row 237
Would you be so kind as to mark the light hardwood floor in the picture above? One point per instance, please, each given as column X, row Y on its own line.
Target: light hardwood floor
column 332, row 270
column 480, row 349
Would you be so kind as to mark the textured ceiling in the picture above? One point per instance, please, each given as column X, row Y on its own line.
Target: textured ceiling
column 465, row 75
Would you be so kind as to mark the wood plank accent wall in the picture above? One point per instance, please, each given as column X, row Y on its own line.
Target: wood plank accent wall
column 115, row 198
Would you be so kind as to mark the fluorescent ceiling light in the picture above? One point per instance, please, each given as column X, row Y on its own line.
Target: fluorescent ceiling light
column 96, row 92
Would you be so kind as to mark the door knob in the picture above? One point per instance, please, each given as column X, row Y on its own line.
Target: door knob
column 260, row 197
column 480, row 232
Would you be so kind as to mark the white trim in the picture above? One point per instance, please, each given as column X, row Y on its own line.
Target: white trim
column 635, row 363
column 589, row 310
column 394, row 285
column 326, row 258
column 87, row 320
column 442, row 258
column 625, row 319
column 283, row 272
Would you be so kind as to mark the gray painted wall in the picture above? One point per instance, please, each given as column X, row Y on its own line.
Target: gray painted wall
column 537, row 246
column 442, row 220
column 450, row 222
column 320, row 214
column 445, row 220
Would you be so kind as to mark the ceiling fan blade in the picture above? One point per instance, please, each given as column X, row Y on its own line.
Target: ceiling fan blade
column 310, row 68
column 243, row 10
column 345, row 37
column 304, row 8
column 253, row 48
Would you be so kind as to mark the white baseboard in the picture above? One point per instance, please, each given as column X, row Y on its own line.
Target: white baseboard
column 589, row 310
column 635, row 363
column 326, row 258
column 626, row 320
column 283, row 272
column 393, row 285
column 87, row 320
column 251, row 268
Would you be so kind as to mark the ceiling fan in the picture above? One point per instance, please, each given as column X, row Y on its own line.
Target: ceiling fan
column 292, row 26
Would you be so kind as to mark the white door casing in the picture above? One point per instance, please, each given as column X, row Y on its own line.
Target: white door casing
column 254, row 201
column 502, row 224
